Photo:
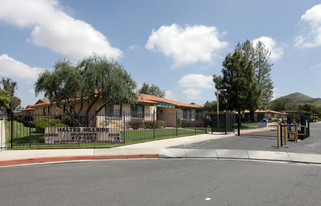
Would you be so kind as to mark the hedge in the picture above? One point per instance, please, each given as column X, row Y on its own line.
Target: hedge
column 44, row 122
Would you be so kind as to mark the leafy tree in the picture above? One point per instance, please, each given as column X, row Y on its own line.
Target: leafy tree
column 238, row 78
column 210, row 106
column 5, row 99
column 282, row 104
column 259, row 55
column 15, row 105
column 312, row 109
column 10, row 86
column 152, row 90
column 92, row 81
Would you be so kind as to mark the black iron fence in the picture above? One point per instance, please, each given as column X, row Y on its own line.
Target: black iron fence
column 221, row 123
column 96, row 130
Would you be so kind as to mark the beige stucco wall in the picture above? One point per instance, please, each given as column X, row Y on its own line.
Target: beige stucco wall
column 126, row 109
column 168, row 114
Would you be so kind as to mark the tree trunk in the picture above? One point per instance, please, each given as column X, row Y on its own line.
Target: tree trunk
column 252, row 115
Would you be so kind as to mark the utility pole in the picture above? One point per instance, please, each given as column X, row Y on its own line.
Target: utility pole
column 218, row 105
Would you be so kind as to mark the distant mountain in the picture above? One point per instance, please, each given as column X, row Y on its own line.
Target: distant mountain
column 302, row 98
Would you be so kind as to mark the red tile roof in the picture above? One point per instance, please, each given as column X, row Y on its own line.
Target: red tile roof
column 142, row 98
column 42, row 101
column 145, row 98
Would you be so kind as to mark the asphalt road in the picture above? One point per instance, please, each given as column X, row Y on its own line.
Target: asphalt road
column 311, row 144
column 161, row 182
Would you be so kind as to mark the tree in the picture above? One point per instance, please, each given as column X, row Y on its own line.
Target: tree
column 259, row 55
column 9, row 86
column 5, row 99
column 238, row 78
column 282, row 104
column 15, row 105
column 152, row 90
column 312, row 109
column 210, row 106
column 92, row 81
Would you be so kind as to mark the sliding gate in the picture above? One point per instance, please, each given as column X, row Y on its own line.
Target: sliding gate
column 221, row 123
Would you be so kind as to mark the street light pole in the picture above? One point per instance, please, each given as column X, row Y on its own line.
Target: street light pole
column 218, row 106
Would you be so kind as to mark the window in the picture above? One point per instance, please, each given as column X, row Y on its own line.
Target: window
column 187, row 114
column 137, row 111
column 198, row 114
column 49, row 110
column 113, row 111
column 44, row 111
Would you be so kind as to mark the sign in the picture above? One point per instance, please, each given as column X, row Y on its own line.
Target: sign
column 81, row 134
column 262, row 124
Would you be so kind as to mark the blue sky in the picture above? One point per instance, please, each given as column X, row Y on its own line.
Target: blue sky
column 175, row 44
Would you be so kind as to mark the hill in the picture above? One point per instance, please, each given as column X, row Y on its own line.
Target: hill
column 302, row 98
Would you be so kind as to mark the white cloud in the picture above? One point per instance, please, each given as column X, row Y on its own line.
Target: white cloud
column 133, row 47
column 12, row 68
column 275, row 94
column 193, row 93
column 54, row 29
column 271, row 45
column 311, row 33
column 169, row 95
column 187, row 45
column 196, row 80
column 317, row 66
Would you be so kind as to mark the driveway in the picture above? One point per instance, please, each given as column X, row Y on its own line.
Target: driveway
column 265, row 143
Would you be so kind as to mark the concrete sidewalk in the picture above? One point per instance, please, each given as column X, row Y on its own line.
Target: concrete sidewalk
column 153, row 149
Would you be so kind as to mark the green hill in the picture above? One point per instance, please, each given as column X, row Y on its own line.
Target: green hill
column 302, row 98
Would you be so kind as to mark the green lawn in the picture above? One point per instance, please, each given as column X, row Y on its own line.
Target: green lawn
column 28, row 138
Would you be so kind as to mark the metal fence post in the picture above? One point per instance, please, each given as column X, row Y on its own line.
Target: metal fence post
column 285, row 134
column 124, row 116
column 176, row 125
column 205, row 123
column 225, row 122
column 296, row 133
column 29, row 121
column 281, row 136
column 12, row 130
column 154, row 136
column 195, row 123
column 212, row 122
column 278, row 136
column 239, row 125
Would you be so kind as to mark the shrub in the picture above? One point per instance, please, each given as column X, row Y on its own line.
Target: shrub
column 159, row 124
column 200, row 123
column 136, row 124
column 28, row 121
column 68, row 120
column 18, row 118
column 149, row 124
column 179, row 122
column 185, row 123
column 44, row 122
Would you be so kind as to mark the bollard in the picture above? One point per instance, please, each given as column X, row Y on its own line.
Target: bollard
column 281, row 135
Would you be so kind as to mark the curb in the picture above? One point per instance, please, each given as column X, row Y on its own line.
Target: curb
column 71, row 158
